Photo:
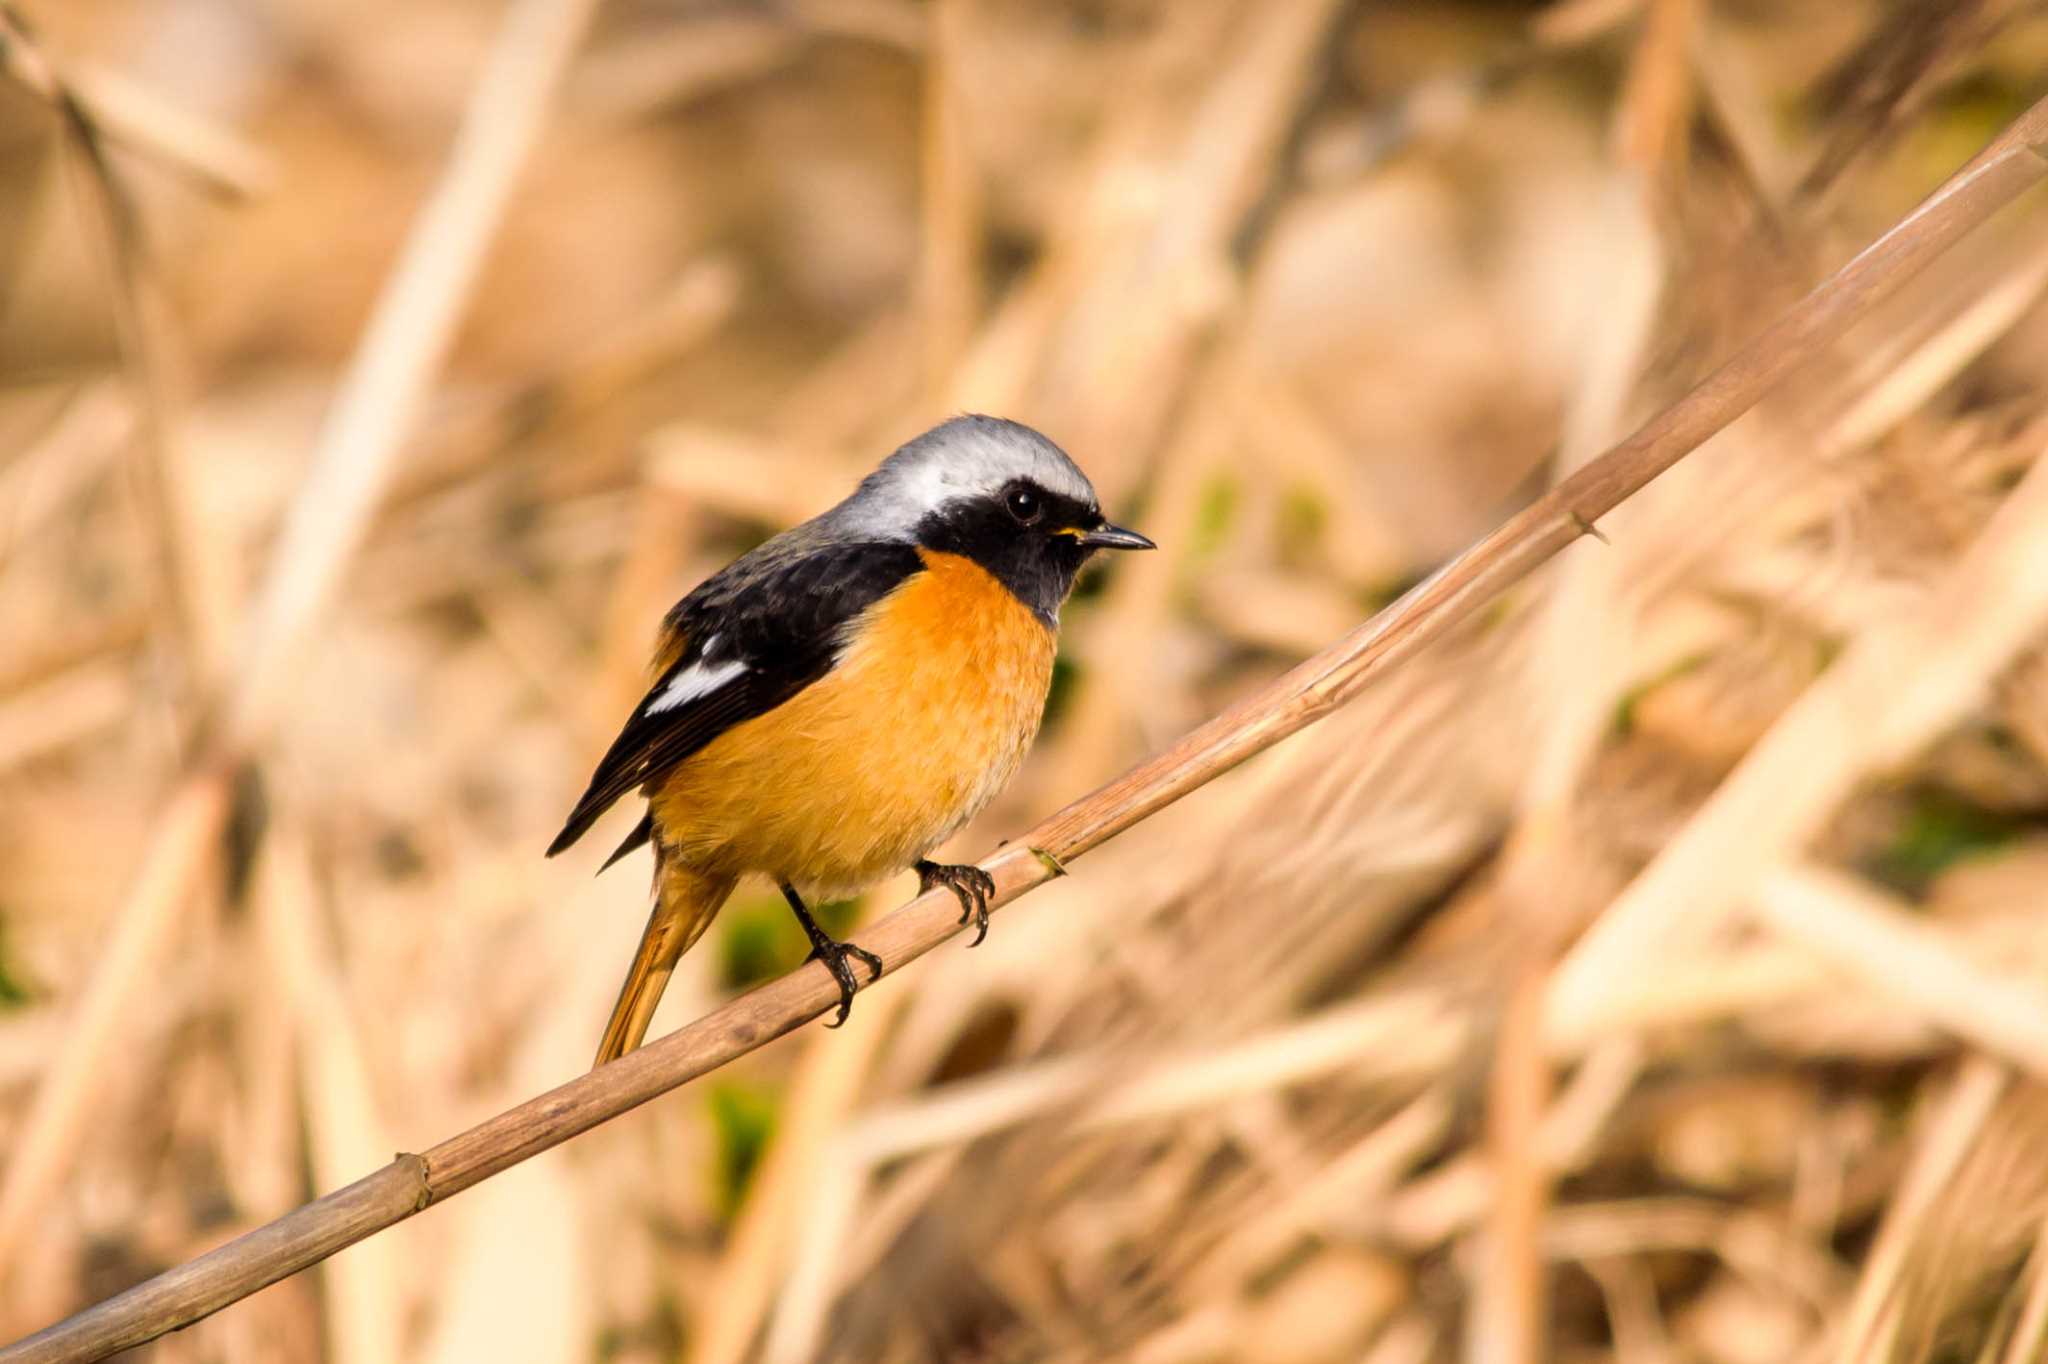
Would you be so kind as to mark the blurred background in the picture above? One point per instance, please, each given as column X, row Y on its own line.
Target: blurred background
column 1652, row 972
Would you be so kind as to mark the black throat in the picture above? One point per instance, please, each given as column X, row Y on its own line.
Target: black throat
column 1037, row 565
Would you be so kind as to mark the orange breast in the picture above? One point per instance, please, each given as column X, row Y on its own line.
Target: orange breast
column 925, row 717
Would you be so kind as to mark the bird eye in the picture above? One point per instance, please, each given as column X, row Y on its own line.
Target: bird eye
column 1024, row 505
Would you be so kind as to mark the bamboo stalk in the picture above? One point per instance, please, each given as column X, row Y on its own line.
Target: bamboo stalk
column 2011, row 164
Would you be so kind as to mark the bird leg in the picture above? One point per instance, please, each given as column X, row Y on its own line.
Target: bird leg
column 972, row 885
column 834, row 954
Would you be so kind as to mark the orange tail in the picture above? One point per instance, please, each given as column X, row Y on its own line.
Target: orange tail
column 685, row 902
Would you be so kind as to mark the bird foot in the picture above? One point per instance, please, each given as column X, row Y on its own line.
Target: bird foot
column 834, row 954
column 826, row 948
column 971, row 884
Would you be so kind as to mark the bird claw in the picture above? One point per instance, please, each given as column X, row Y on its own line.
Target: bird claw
column 827, row 949
column 834, row 955
column 973, row 886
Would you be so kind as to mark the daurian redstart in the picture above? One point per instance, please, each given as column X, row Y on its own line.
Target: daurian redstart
column 831, row 706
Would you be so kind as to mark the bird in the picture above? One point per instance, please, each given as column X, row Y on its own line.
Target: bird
column 831, row 706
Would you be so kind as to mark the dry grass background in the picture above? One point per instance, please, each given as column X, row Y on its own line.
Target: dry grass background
column 1656, row 972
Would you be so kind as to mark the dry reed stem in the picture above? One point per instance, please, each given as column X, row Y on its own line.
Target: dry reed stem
column 1916, row 376
column 2030, row 1333
column 782, row 1195
column 197, row 567
column 364, row 1303
column 1404, row 1035
column 702, row 299
column 1570, row 22
column 133, row 117
column 1628, row 1292
column 1898, row 957
column 1963, row 1111
column 647, row 72
column 1743, row 1238
column 2010, row 165
column 62, row 710
column 1654, row 124
column 1712, row 985
column 1731, row 95
column 1509, row 1302
column 1147, row 305
column 56, row 1116
column 949, row 280
column 182, row 1295
column 1891, row 692
column 96, row 422
column 415, row 318
column 1119, row 645
column 1410, row 1340
column 1542, row 880
column 798, row 1321
column 1133, row 287
column 404, row 340
column 1363, row 1174
column 1440, row 1205
column 1399, row 1037
column 192, row 565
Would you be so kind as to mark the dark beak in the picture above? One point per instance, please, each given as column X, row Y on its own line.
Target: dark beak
column 1106, row 536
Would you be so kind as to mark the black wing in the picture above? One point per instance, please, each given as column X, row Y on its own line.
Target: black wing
column 753, row 635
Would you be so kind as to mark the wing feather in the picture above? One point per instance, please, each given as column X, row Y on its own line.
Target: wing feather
column 745, row 641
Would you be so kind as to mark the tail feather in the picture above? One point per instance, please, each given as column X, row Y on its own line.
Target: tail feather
column 643, row 832
column 685, row 902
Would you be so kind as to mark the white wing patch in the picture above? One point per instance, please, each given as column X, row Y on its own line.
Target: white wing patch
column 699, row 679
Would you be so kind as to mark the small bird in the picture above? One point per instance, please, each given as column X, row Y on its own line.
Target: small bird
column 836, row 703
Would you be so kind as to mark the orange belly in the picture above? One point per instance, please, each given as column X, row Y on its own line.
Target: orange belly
column 924, row 718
